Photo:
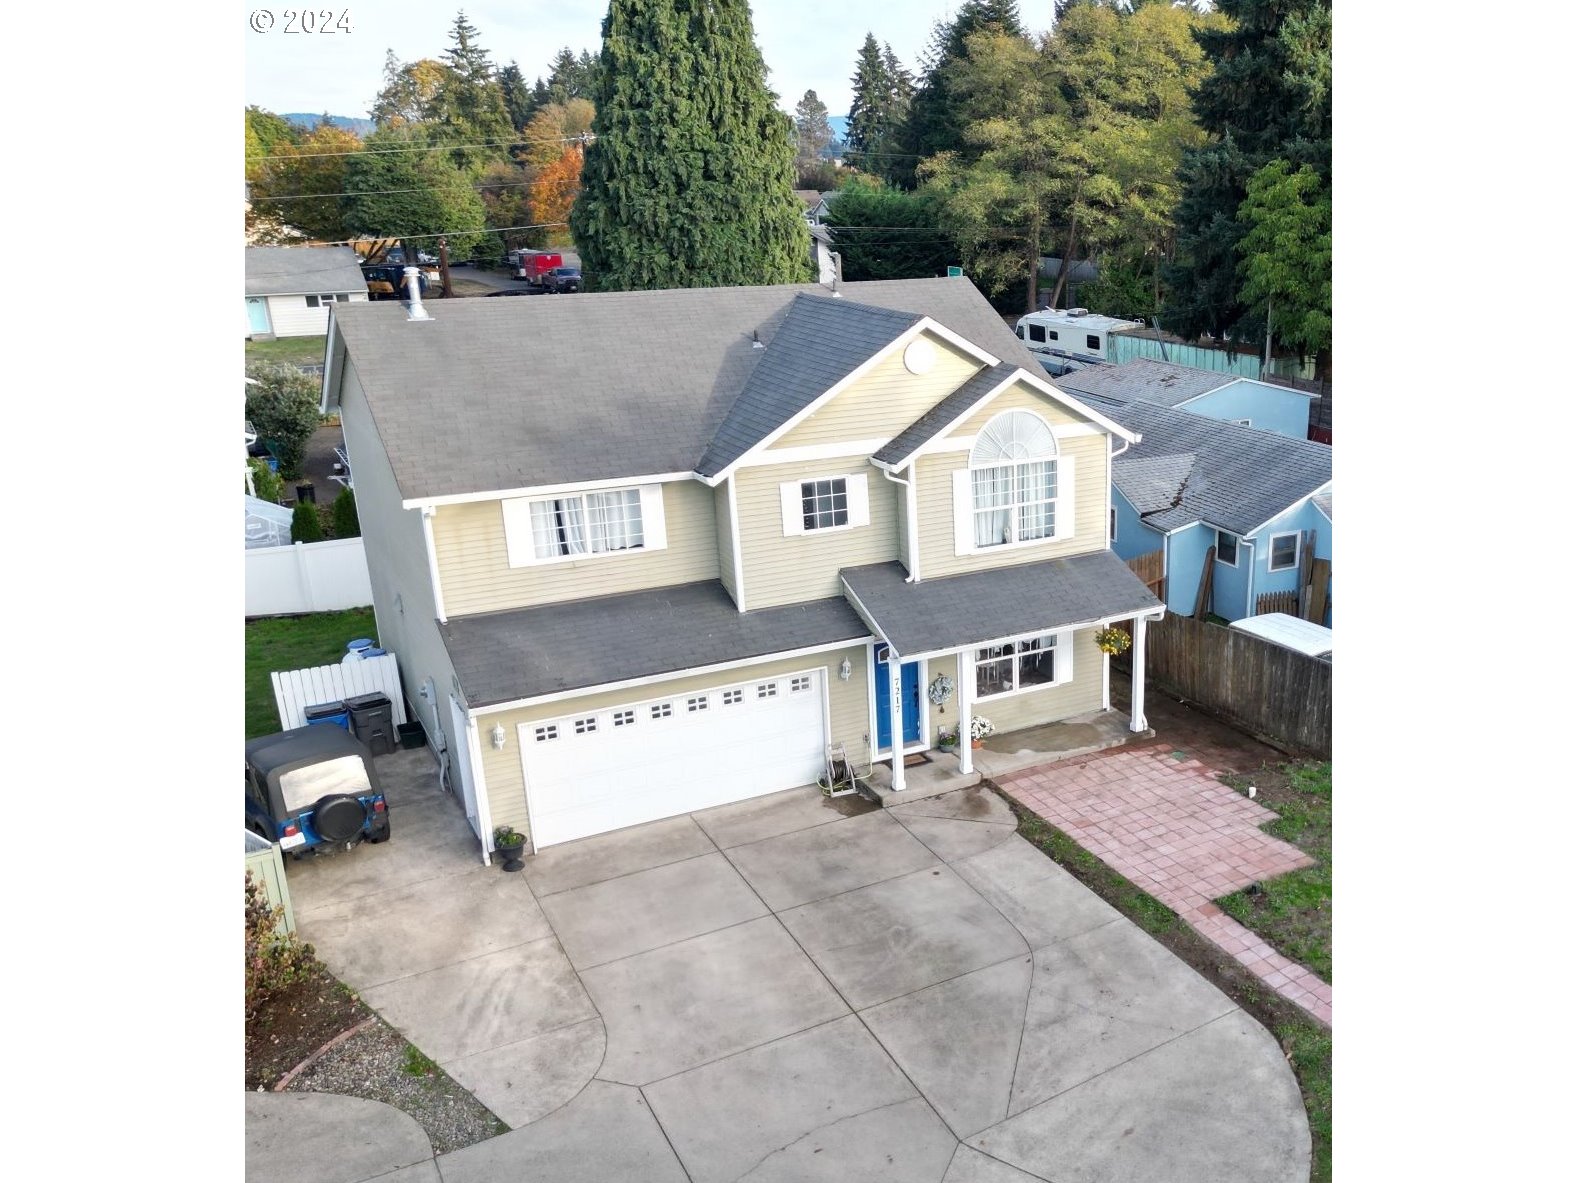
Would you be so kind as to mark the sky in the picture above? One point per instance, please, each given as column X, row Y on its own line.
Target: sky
column 807, row 44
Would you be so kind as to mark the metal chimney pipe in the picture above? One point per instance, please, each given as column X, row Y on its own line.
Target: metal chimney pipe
column 413, row 289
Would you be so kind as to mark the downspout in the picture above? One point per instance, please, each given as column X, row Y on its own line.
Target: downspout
column 432, row 562
column 1253, row 550
column 911, row 527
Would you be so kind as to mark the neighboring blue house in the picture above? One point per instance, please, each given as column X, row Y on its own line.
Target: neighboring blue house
column 1228, row 397
column 1191, row 483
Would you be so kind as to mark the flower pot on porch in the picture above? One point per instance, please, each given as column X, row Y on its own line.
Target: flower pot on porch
column 511, row 855
column 974, row 743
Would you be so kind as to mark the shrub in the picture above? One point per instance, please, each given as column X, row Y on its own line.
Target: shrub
column 275, row 958
column 305, row 523
column 266, row 481
column 346, row 523
column 283, row 407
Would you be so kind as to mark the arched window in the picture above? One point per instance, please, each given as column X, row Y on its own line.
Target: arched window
column 1013, row 479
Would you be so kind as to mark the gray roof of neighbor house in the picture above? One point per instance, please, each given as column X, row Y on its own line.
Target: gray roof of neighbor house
column 1323, row 500
column 503, row 656
column 1191, row 468
column 493, row 395
column 1147, row 381
column 903, row 445
column 961, row 610
column 302, row 270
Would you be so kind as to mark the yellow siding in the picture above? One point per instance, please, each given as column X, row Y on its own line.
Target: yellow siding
column 1035, row 707
column 936, row 512
column 886, row 400
column 787, row 570
column 1017, row 397
column 901, row 499
column 725, row 540
column 473, row 561
column 847, row 701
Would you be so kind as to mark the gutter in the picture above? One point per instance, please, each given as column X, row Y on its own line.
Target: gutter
column 911, row 527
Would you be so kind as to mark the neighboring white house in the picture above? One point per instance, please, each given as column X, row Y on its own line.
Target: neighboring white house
column 289, row 288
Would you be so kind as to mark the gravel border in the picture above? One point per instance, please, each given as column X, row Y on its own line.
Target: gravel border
column 372, row 1064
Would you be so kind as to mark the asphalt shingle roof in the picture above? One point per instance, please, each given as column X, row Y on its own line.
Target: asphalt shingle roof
column 1323, row 500
column 1233, row 477
column 502, row 656
column 964, row 610
column 1143, row 380
column 950, row 408
column 302, row 270
column 820, row 342
column 492, row 395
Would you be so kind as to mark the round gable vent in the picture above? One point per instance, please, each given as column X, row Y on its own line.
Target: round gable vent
column 920, row 356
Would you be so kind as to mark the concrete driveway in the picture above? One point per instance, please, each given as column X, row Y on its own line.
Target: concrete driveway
column 796, row 989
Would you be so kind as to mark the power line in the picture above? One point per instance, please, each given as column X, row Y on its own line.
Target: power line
column 483, row 188
column 581, row 139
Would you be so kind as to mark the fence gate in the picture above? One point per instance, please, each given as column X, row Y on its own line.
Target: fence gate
column 296, row 690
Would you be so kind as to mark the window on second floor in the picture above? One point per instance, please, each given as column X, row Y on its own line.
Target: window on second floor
column 1019, row 489
column 582, row 525
column 825, row 504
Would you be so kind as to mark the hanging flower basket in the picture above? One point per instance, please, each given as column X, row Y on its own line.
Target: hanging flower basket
column 941, row 689
column 1112, row 640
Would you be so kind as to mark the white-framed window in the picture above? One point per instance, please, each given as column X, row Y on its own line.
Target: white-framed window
column 662, row 710
column 1017, row 489
column 733, row 697
column 824, row 504
column 699, row 703
column 1226, row 548
column 325, row 300
column 574, row 526
column 544, row 734
column 1283, row 552
column 586, row 725
column 623, row 718
column 1028, row 664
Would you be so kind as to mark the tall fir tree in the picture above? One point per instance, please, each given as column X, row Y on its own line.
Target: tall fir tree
column 868, row 111
column 517, row 96
column 470, row 106
column 1268, row 98
column 689, row 181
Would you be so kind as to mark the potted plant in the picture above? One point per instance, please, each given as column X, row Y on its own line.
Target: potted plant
column 509, row 843
column 1112, row 640
column 947, row 739
column 979, row 728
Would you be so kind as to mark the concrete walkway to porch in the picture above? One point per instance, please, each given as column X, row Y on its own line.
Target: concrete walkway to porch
column 1169, row 826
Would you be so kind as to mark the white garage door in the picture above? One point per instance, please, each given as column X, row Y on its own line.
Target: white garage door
column 586, row 774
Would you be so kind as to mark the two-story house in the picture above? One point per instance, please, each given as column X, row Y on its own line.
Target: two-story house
column 643, row 553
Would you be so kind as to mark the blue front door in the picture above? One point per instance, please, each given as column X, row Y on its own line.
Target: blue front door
column 911, row 701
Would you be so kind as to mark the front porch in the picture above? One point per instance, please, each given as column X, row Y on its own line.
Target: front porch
column 1004, row 753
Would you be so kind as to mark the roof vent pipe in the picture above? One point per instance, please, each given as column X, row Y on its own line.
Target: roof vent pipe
column 755, row 339
column 413, row 289
column 837, row 272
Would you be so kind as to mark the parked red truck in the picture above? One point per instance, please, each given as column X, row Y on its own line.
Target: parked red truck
column 534, row 266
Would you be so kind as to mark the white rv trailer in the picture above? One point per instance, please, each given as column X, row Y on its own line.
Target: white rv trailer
column 1069, row 339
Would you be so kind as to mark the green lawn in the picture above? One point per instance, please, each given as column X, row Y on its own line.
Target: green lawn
column 1293, row 912
column 302, row 350
column 290, row 643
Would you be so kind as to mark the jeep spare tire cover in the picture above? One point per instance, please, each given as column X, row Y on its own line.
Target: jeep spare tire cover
column 338, row 818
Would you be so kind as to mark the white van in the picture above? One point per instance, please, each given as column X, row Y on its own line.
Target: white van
column 1069, row 339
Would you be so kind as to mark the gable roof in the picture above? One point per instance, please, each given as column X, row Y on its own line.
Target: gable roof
column 302, row 270
column 1143, row 380
column 498, row 395
column 1189, row 468
column 937, row 419
column 820, row 343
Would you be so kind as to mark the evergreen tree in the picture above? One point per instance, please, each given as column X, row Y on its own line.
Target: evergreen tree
column 812, row 132
column 1268, row 98
column 883, row 232
column 869, row 109
column 689, row 181
column 517, row 99
column 470, row 102
column 306, row 524
column 346, row 523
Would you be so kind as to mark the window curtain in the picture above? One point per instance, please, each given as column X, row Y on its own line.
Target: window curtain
column 993, row 496
column 615, row 520
column 558, row 527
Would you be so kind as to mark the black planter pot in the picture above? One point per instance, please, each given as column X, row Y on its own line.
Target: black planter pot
column 512, row 856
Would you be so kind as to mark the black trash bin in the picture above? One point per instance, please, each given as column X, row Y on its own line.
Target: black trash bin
column 372, row 721
column 307, row 494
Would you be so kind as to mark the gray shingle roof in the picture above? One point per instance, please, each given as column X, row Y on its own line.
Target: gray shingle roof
column 1147, row 381
column 936, row 420
column 1233, row 477
column 964, row 610
column 492, row 395
column 302, row 270
column 1323, row 500
column 502, row 656
column 820, row 342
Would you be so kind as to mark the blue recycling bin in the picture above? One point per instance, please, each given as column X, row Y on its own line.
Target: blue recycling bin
column 335, row 714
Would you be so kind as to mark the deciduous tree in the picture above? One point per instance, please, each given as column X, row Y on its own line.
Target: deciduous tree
column 1285, row 254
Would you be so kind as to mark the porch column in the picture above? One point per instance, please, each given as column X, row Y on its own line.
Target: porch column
column 895, row 714
column 965, row 685
column 1137, row 721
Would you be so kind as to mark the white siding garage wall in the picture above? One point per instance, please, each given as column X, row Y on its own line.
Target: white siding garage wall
column 654, row 758
column 292, row 318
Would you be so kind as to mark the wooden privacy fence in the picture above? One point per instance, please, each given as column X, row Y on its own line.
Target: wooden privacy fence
column 1151, row 568
column 296, row 690
column 1270, row 690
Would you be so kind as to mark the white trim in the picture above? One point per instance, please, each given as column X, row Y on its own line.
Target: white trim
column 923, row 744
column 1309, row 496
column 864, row 613
column 1236, row 379
column 1321, row 512
column 516, row 704
column 912, row 520
column 852, row 449
column 857, row 503
column 484, row 811
column 1093, row 622
column 1235, row 549
column 1074, row 405
column 542, row 491
column 870, row 697
column 427, row 512
column 738, row 550
column 1270, row 551
column 898, row 343
column 328, row 366
column 520, row 540
column 1063, row 663
column 941, row 445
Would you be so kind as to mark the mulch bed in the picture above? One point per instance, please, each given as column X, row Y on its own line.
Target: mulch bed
column 292, row 1025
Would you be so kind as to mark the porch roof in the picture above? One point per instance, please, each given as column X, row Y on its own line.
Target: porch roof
column 555, row 648
column 937, row 616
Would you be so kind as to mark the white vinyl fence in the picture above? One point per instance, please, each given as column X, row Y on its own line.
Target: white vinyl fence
column 296, row 690
column 307, row 577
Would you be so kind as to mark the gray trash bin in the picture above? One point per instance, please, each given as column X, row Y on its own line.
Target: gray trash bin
column 372, row 722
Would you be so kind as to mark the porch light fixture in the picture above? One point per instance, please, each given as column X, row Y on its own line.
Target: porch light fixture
column 845, row 670
column 498, row 736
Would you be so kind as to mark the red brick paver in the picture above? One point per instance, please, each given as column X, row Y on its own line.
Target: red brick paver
column 1167, row 825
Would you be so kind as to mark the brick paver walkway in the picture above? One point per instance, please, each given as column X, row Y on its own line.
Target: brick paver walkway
column 1168, row 826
